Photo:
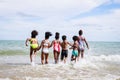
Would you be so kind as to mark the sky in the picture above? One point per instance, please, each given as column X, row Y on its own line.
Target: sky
column 99, row 19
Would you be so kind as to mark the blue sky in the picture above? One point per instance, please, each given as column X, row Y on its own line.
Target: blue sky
column 99, row 19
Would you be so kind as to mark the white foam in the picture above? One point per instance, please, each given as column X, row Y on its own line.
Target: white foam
column 43, row 78
column 33, row 64
column 5, row 79
column 30, row 78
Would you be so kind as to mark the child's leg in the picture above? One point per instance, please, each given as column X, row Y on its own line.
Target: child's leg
column 46, row 58
column 82, row 53
column 65, row 59
column 35, row 52
column 65, row 55
column 42, row 58
column 72, row 58
column 31, row 52
column 79, row 53
column 55, row 56
column 58, row 53
column 34, row 56
column 75, row 59
column 62, row 56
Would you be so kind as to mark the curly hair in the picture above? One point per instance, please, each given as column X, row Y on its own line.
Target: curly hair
column 34, row 33
column 47, row 35
column 57, row 35
column 64, row 37
column 75, row 38
column 80, row 32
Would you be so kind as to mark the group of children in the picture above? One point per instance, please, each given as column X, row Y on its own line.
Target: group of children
column 58, row 46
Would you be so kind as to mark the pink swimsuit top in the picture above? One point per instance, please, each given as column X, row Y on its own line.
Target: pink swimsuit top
column 56, row 46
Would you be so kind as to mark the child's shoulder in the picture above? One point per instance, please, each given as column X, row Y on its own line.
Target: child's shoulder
column 28, row 39
column 81, row 37
column 66, row 41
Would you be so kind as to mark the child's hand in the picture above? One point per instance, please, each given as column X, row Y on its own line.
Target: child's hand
column 38, row 49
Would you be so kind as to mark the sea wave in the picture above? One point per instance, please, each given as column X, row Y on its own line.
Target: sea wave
column 89, row 68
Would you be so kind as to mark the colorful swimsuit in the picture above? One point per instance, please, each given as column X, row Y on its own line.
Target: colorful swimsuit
column 33, row 43
column 56, row 46
column 45, row 49
column 64, row 53
column 75, row 53
column 81, row 43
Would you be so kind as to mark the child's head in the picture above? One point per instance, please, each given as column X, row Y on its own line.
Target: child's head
column 57, row 35
column 80, row 32
column 34, row 33
column 75, row 38
column 47, row 35
column 64, row 37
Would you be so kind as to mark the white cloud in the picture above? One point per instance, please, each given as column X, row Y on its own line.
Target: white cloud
column 51, row 11
column 46, row 8
column 22, row 16
column 117, row 1
column 104, row 27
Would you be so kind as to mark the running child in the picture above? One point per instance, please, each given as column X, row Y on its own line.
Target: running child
column 64, row 45
column 45, row 45
column 75, row 47
column 81, row 41
column 33, row 45
column 56, row 47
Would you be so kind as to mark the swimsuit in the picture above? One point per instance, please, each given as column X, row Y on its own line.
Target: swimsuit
column 64, row 53
column 75, row 53
column 56, row 46
column 45, row 49
column 81, row 43
column 33, row 43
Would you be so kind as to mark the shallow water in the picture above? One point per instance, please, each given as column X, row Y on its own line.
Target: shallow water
column 101, row 62
column 89, row 68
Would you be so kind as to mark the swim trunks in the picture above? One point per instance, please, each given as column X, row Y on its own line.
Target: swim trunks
column 64, row 53
column 75, row 53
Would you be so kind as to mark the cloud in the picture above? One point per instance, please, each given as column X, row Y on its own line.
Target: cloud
column 117, row 1
column 46, row 8
column 22, row 16
column 105, row 26
column 51, row 11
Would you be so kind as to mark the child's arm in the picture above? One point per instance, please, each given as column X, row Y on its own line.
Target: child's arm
column 26, row 42
column 86, row 43
column 51, row 44
column 40, row 45
column 70, row 44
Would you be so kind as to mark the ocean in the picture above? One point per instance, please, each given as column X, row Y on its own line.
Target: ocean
column 100, row 62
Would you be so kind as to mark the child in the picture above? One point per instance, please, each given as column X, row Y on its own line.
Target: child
column 33, row 45
column 56, row 47
column 81, row 41
column 64, row 52
column 45, row 45
column 75, row 49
